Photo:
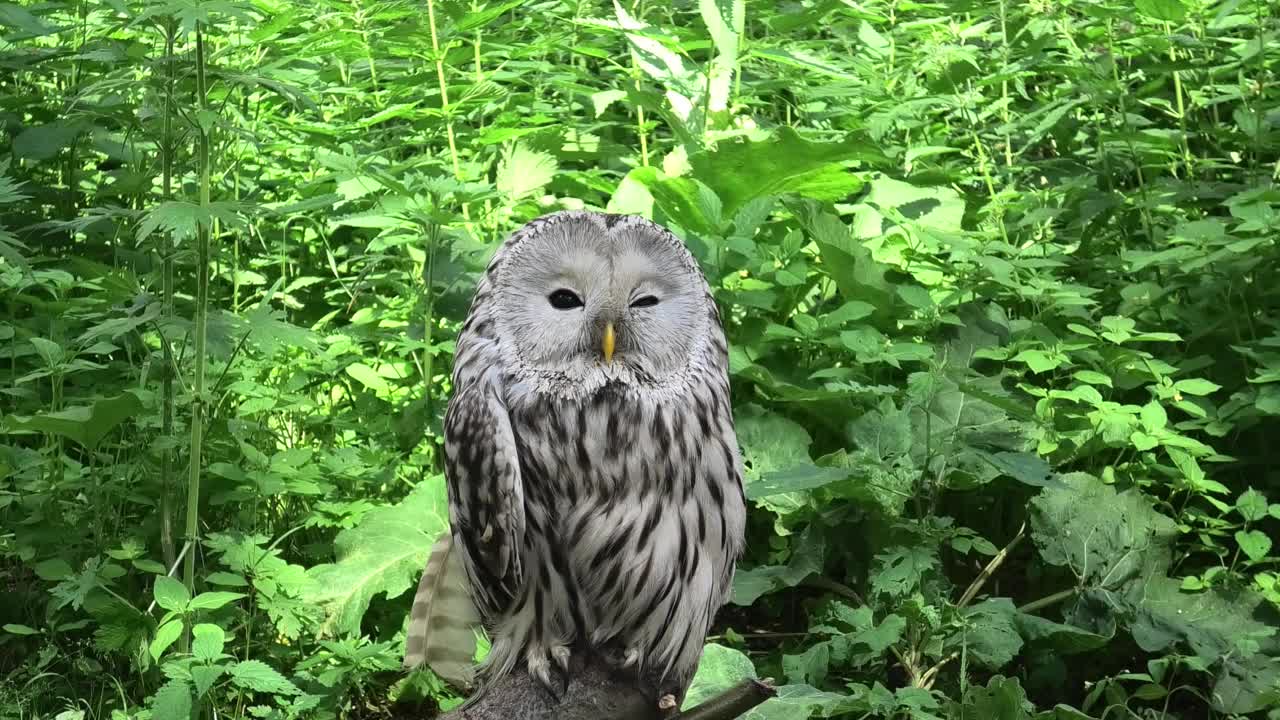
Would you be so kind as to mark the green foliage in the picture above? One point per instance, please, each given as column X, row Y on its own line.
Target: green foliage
column 1000, row 284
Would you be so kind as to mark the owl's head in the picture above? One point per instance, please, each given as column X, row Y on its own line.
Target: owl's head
column 581, row 295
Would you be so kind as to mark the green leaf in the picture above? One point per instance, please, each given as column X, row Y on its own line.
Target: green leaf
column 1222, row 628
column 1104, row 537
column 385, row 553
column 725, row 20
column 1166, row 10
column 1153, row 416
column 53, row 569
column 1252, row 505
column 1254, row 543
column 805, row 476
column 84, row 424
column 45, row 141
column 172, row 701
column 204, row 677
column 260, row 677
column 213, row 600
column 799, row 702
column 1023, row 467
column 1196, row 386
column 207, row 641
column 166, row 634
column 524, row 172
column 719, row 669
column 687, row 202
column 989, row 633
column 740, row 170
column 20, row 629
column 368, row 377
column 889, row 203
column 171, row 594
column 808, row 552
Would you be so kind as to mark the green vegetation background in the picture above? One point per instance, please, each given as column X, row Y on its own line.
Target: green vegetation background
column 1001, row 279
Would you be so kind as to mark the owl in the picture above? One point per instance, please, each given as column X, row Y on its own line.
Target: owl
column 594, row 477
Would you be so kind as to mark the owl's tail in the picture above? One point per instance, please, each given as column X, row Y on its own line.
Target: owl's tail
column 444, row 620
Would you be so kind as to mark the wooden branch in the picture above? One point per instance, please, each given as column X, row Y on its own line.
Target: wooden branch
column 596, row 692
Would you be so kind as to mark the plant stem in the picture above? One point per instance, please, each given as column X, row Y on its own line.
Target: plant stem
column 1048, row 600
column 166, row 293
column 201, row 326
column 444, row 97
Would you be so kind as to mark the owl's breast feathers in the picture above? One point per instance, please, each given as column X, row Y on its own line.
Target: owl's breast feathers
column 641, row 490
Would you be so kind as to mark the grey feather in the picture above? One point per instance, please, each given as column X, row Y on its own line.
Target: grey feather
column 443, row 621
column 596, row 500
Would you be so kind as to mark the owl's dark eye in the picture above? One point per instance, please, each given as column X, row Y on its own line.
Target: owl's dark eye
column 646, row 301
column 563, row 299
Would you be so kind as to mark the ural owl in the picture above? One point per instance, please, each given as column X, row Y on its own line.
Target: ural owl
column 594, row 479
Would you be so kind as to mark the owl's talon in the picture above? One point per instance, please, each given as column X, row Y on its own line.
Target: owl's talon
column 561, row 655
column 554, row 680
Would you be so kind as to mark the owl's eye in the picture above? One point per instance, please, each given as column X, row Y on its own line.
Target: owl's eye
column 646, row 301
column 563, row 299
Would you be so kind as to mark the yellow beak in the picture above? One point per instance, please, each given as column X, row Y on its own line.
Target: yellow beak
column 607, row 344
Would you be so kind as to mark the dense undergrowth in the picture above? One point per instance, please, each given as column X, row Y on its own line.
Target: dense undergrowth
column 1001, row 280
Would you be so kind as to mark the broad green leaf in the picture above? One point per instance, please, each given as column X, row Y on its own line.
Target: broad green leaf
column 1167, row 10
column 799, row 702
column 808, row 551
column 1226, row 630
column 1153, row 416
column 172, row 701
column 740, row 170
column 1023, row 467
column 204, row 677
column 16, row 629
column 1062, row 638
column 171, row 594
column 524, row 172
column 480, row 18
column 1196, row 386
column 725, row 20
column 84, row 424
column 213, row 600
column 207, row 641
column 45, row 141
column 890, row 202
column 804, row 476
column 859, row 276
column 1254, row 543
column 1252, row 505
column 719, row 669
column 385, row 553
column 686, row 201
column 258, row 676
column 53, row 569
column 989, row 633
column 368, row 377
column 1104, row 537
column 166, row 634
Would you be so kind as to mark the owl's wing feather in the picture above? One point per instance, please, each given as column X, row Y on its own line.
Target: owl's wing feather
column 442, row 623
column 486, row 497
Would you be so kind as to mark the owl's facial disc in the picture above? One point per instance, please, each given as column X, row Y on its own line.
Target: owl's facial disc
column 581, row 299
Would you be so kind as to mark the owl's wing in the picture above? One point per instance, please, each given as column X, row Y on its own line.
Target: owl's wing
column 486, row 497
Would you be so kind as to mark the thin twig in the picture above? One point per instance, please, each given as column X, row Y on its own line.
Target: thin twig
column 996, row 562
column 733, row 702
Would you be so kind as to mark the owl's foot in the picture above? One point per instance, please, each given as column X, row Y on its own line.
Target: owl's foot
column 619, row 657
column 550, row 667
